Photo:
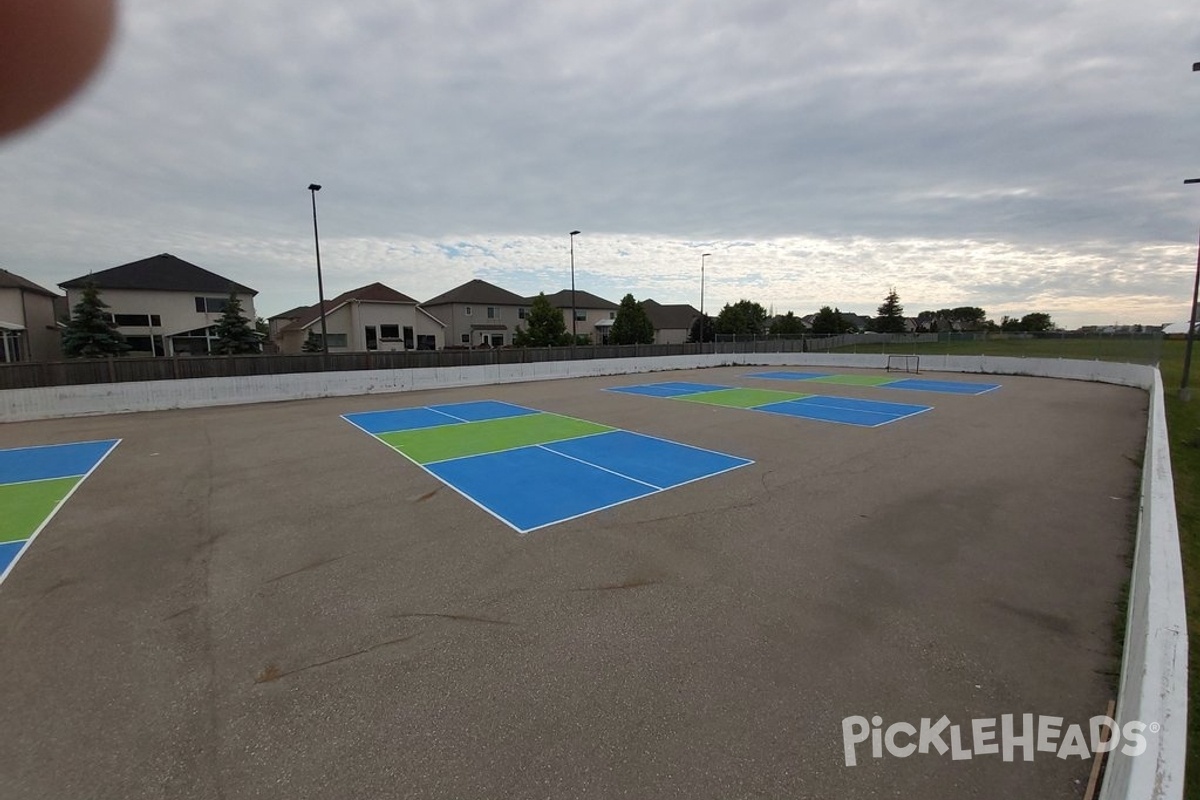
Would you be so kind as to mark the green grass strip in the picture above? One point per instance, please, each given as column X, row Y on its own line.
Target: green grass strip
column 25, row 506
column 741, row 398
column 454, row 441
column 856, row 380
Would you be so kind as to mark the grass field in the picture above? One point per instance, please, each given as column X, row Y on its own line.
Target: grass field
column 1183, row 423
column 1138, row 350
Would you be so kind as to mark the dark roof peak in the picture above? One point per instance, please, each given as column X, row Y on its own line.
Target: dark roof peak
column 479, row 292
column 9, row 280
column 676, row 316
column 562, row 299
column 163, row 272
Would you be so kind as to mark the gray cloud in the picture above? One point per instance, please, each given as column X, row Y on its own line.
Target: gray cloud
column 1006, row 155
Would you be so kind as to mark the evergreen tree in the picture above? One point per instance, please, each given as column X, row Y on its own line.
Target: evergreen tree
column 631, row 326
column 91, row 333
column 890, row 317
column 234, row 332
column 544, row 326
column 312, row 344
column 702, row 330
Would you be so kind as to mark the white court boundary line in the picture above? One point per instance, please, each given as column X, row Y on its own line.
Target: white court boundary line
column 29, row 542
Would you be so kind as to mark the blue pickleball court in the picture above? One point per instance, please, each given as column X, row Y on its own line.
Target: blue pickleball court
column 531, row 469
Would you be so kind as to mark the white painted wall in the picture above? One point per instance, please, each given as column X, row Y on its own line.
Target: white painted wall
column 1153, row 686
column 1154, row 666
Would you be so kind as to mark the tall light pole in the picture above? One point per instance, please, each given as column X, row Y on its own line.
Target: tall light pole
column 573, row 334
column 313, row 188
column 702, row 257
column 1184, row 392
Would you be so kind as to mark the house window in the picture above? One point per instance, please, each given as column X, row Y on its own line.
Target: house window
column 522, row 313
column 426, row 341
column 334, row 339
column 612, row 315
column 372, row 337
column 389, row 333
column 580, row 316
column 211, row 305
column 146, row 345
column 466, row 338
column 408, row 337
column 136, row 320
column 467, row 311
column 492, row 313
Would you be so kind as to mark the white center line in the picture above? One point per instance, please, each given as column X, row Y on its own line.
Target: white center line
column 603, row 469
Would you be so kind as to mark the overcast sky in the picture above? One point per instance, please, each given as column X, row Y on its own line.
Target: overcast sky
column 1025, row 155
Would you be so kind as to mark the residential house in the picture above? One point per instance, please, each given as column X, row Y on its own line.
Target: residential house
column 372, row 317
column 164, row 305
column 672, row 323
column 478, row 314
column 857, row 322
column 28, row 330
column 593, row 315
column 277, row 323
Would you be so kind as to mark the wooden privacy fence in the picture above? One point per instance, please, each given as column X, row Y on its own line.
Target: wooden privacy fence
column 30, row 375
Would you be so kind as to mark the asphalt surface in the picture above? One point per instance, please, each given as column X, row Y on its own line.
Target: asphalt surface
column 262, row 601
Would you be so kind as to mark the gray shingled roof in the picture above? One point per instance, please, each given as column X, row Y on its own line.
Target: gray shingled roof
column 162, row 273
column 292, row 313
column 669, row 317
column 582, row 300
column 9, row 280
column 478, row 292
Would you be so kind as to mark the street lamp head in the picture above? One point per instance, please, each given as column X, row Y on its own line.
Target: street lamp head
column 706, row 255
column 314, row 187
column 574, row 233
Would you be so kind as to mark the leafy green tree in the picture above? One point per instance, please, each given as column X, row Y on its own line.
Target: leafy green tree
column 234, row 334
column 91, row 333
column 544, row 326
column 969, row 318
column 631, row 326
column 743, row 318
column 1037, row 322
column 702, row 329
column 787, row 325
column 890, row 315
column 829, row 322
column 1034, row 323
